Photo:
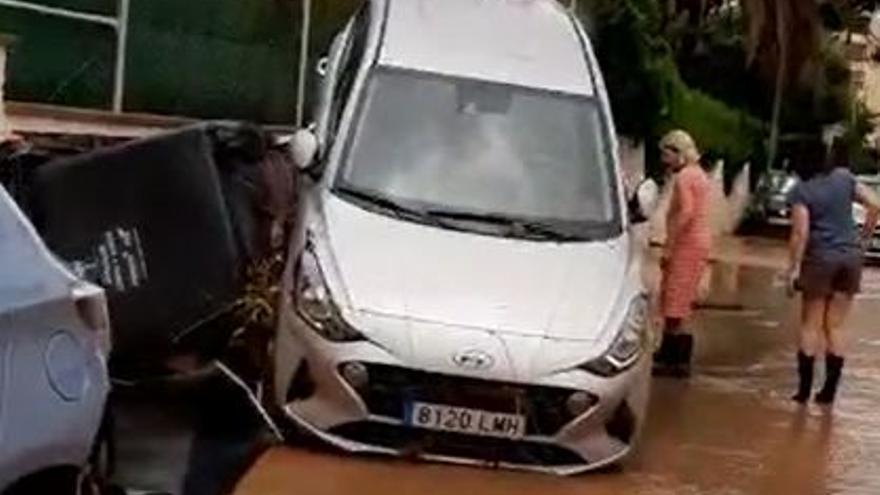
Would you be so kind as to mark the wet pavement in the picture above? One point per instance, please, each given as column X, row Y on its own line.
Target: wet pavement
column 196, row 436
column 729, row 430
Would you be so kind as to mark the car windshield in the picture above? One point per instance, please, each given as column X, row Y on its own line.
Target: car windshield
column 780, row 182
column 472, row 152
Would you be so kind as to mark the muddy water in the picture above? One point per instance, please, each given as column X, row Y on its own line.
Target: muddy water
column 730, row 430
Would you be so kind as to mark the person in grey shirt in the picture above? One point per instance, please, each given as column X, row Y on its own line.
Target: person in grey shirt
column 826, row 251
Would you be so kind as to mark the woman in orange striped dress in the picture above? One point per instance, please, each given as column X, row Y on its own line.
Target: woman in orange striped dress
column 688, row 240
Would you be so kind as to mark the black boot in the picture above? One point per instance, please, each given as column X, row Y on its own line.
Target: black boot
column 805, row 374
column 664, row 355
column 833, row 370
column 684, row 349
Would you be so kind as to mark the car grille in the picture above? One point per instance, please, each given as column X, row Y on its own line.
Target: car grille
column 456, row 445
column 391, row 388
column 777, row 204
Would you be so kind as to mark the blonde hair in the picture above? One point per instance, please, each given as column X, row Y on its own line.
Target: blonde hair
column 682, row 144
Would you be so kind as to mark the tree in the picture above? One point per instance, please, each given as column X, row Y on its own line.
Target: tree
column 783, row 43
column 632, row 54
column 783, row 33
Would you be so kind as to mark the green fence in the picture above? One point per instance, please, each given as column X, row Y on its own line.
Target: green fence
column 230, row 59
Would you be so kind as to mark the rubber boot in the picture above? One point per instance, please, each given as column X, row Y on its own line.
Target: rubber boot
column 833, row 370
column 805, row 375
column 684, row 349
column 663, row 357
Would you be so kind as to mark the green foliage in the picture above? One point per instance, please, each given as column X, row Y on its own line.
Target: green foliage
column 720, row 50
column 863, row 156
column 846, row 15
column 723, row 132
column 631, row 54
column 648, row 94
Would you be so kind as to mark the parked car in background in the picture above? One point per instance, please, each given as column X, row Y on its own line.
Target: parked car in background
column 771, row 197
column 464, row 284
column 872, row 181
column 54, row 342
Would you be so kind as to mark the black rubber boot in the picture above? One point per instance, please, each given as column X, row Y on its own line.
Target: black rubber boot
column 663, row 356
column 833, row 370
column 684, row 349
column 805, row 375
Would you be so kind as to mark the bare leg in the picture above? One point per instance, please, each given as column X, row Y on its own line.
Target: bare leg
column 813, row 313
column 836, row 313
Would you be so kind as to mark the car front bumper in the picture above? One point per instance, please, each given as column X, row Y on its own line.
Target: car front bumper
column 371, row 418
column 873, row 251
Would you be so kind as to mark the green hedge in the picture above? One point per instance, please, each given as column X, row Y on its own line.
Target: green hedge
column 648, row 94
column 723, row 132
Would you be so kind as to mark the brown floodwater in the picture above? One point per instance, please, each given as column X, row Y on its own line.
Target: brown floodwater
column 729, row 430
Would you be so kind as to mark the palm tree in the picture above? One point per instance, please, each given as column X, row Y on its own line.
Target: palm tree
column 783, row 45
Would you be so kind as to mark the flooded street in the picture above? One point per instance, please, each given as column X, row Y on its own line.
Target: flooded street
column 731, row 429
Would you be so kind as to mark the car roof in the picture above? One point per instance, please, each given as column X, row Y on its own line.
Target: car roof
column 29, row 274
column 531, row 43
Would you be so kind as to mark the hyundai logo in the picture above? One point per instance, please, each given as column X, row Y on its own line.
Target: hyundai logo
column 474, row 360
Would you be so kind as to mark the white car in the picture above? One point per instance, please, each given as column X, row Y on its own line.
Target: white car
column 464, row 284
column 773, row 195
column 54, row 340
column 873, row 182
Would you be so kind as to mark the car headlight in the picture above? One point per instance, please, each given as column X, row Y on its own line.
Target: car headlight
column 628, row 346
column 314, row 303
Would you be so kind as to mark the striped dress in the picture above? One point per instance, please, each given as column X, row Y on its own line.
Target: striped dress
column 688, row 241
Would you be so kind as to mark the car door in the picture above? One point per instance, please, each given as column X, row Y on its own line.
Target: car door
column 54, row 340
column 4, row 360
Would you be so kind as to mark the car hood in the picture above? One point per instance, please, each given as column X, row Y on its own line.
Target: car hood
column 420, row 273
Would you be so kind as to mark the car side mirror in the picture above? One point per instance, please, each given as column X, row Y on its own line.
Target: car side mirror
column 304, row 148
column 644, row 202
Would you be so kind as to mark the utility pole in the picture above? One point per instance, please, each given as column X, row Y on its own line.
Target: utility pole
column 303, row 62
column 779, row 93
column 121, row 44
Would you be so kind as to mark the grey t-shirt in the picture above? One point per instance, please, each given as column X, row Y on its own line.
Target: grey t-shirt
column 829, row 198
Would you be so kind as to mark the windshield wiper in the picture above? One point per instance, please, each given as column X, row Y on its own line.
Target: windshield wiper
column 398, row 209
column 551, row 232
column 515, row 227
column 472, row 216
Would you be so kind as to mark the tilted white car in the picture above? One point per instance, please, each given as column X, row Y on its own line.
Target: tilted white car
column 54, row 340
column 464, row 284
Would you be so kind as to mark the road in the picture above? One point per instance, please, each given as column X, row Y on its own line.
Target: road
column 729, row 430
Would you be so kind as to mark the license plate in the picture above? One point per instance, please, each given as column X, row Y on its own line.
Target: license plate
column 466, row 420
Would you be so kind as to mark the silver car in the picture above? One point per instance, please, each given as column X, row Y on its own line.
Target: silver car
column 54, row 341
column 464, row 284
column 772, row 197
